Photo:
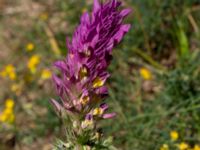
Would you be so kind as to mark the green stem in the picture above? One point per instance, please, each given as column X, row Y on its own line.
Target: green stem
column 149, row 59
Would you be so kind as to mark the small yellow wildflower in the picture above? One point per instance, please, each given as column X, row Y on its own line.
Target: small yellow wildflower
column 30, row 47
column 46, row 74
column 196, row 147
column 98, row 82
column 12, row 76
column 33, row 62
column 183, row 146
column 7, row 111
column 174, row 135
column 9, row 71
column 10, row 103
column 44, row 16
column 8, row 116
column 146, row 74
column 9, row 68
column 164, row 147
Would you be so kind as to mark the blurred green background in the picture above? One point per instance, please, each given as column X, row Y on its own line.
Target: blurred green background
column 155, row 74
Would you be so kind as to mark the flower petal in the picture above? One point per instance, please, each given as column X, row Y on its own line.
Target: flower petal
column 108, row 116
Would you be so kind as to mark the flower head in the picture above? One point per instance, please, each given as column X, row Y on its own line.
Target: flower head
column 196, row 147
column 84, row 71
column 9, row 71
column 46, row 74
column 9, row 103
column 145, row 74
column 7, row 116
column 33, row 63
column 30, row 47
column 82, row 83
column 174, row 135
column 183, row 146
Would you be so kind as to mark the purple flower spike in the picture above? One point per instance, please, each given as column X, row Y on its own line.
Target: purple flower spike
column 84, row 71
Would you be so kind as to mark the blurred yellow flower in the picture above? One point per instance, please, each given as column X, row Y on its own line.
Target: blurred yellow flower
column 16, row 88
column 164, row 147
column 30, row 47
column 33, row 62
column 10, row 68
column 183, row 146
column 9, row 71
column 174, row 135
column 46, row 74
column 145, row 73
column 196, row 147
column 12, row 75
column 8, row 116
column 10, row 103
column 7, row 111
column 44, row 16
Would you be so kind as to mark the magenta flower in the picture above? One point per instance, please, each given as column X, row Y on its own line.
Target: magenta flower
column 81, row 86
